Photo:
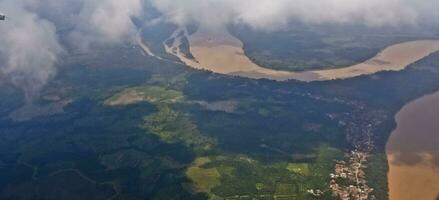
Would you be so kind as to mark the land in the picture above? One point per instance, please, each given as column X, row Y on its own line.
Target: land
column 302, row 47
column 140, row 127
column 219, row 51
column 151, row 94
column 175, row 127
column 229, row 176
column 349, row 180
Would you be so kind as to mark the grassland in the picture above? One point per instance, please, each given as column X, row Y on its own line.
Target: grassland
column 231, row 176
column 175, row 127
column 204, row 179
column 280, row 140
column 151, row 94
column 299, row 168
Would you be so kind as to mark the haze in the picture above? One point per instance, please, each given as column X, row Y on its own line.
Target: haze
column 30, row 44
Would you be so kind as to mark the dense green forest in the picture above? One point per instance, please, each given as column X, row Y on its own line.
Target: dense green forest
column 186, row 134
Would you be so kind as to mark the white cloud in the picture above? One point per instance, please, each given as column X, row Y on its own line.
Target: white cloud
column 28, row 48
column 105, row 21
column 272, row 14
column 29, row 44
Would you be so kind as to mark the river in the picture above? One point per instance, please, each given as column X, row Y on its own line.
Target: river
column 413, row 147
column 219, row 51
column 413, row 151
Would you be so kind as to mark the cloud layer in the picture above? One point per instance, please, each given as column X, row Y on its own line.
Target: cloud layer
column 105, row 21
column 30, row 41
column 30, row 45
column 28, row 49
column 272, row 14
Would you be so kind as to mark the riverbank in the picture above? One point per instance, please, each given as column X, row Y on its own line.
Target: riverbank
column 219, row 51
column 413, row 151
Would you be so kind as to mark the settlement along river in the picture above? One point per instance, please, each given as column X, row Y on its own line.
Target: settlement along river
column 413, row 148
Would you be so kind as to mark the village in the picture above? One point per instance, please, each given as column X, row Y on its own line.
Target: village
column 348, row 182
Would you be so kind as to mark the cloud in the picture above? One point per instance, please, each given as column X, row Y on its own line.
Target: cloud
column 105, row 22
column 28, row 49
column 29, row 39
column 273, row 14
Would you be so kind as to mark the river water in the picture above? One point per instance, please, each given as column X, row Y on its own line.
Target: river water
column 220, row 52
column 413, row 147
column 413, row 151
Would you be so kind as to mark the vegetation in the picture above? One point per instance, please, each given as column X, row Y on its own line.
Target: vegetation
column 280, row 140
column 376, row 173
column 205, row 179
column 305, row 47
column 151, row 94
column 299, row 168
column 185, row 48
column 174, row 127
column 228, row 176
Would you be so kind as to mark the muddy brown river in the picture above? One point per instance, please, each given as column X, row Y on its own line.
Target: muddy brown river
column 219, row 51
column 413, row 151
column 413, row 147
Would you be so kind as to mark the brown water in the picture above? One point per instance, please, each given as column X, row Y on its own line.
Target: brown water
column 413, row 151
column 413, row 148
column 220, row 52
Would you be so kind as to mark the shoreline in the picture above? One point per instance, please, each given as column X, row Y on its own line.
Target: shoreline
column 412, row 151
column 220, row 52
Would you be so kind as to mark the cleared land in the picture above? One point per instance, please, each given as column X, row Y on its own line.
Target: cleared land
column 152, row 94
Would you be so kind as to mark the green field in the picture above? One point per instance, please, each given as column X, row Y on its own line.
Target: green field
column 135, row 129
column 204, row 179
column 299, row 168
column 175, row 127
